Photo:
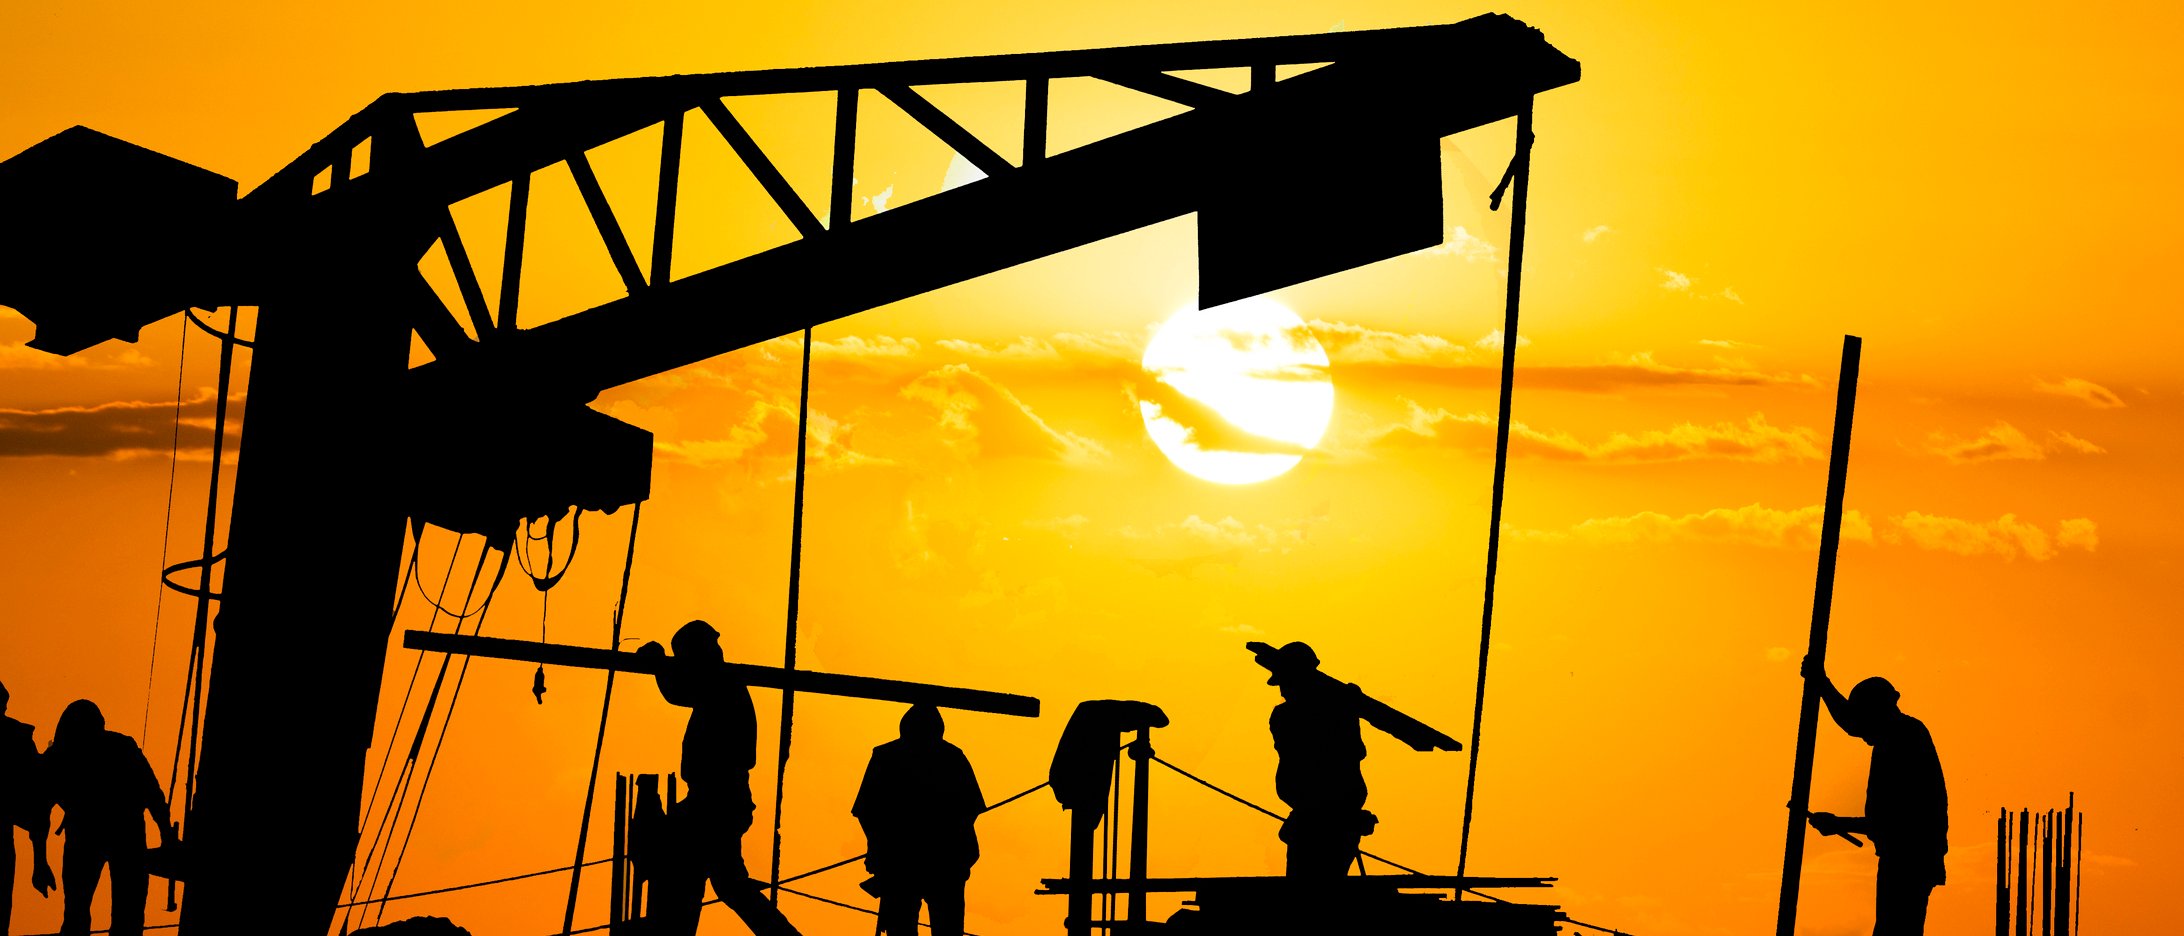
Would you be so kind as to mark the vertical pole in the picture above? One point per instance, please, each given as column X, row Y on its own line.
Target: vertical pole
column 519, row 212
column 2064, row 869
column 2002, row 874
column 1823, row 601
column 663, row 216
column 796, row 580
column 1035, row 119
column 618, row 886
column 1520, row 177
column 843, row 196
column 2047, row 874
column 2077, row 900
column 2024, row 870
column 1141, row 789
column 606, row 705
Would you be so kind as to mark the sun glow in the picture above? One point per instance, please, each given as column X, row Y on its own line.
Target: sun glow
column 1241, row 391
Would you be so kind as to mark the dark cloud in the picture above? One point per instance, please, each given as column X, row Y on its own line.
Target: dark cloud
column 120, row 428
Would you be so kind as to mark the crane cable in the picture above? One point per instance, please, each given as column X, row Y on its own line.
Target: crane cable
column 166, row 530
column 440, row 741
column 788, row 651
column 606, row 704
column 359, row 869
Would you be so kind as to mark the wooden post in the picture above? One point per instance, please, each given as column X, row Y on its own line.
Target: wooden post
column 1823, row 599
column 2047, row 874
column 2024, row 853
column 618, row 888
column 2002, row 874
column 2066, row 869
column 1141, row 751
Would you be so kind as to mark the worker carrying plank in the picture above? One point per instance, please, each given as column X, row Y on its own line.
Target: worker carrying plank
column 719, row 748
column 1321, row 746
column 1907, row 801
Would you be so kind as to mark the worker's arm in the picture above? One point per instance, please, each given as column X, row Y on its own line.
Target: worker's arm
column 670, row 681
column 155, row 799
column 1816, row 675
column 1847, row 827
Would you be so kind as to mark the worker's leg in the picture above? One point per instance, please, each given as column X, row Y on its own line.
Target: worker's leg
column 125, row 873
column 899, row 912
column 944, row 903
column 1899, row 904
column 748, row 899
column 7, row 877
column 80, row 867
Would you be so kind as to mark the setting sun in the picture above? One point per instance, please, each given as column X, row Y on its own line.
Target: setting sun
column 1245, row 391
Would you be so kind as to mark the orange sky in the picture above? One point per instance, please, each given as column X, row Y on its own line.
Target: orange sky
column 1988, row 199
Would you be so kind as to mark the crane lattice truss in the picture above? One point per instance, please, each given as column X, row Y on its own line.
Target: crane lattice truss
column 329, row 248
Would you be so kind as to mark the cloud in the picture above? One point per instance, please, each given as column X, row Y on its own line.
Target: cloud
column 20, row 356
column 1349, row 344
column 1182, row 547
column 1726, row 344
column 1492, row 341
column 120, row 429
column 2005, row 536
column 981, row 417
column 2084, row 391
column 1750, row 525
column 1731, row 295
column 853, row 347
column 1673, row 281
column 1596, row 232
column 767, row 435
column 1754, row 440
column 2004, row 442
column 1756, row 525
column 1204, row 426
column 1470, row 247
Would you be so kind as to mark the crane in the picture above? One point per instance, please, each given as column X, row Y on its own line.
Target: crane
column 327, row 249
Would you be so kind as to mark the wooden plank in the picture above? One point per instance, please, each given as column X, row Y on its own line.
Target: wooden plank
column 1419, row 735
column 1823, row 601
column 835, row 684
column 1374, row 882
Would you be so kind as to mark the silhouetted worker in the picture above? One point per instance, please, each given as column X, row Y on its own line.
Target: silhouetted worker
column 22, row 803
column 104, row 786
column 1907, row 803
column 919, row 804
column 1321, row 770
column 719, row 748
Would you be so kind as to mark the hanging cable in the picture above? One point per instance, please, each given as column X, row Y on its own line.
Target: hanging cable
column 359, row 868
column 438, row 743
column 374, row 857
column 788, row 647
column 166, row 529
column 606, row 704
column 195, row 684
column 1518, row 180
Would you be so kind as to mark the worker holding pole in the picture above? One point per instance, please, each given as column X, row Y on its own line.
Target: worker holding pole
column 1907, row 801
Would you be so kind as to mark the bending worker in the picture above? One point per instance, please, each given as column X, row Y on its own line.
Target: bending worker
column 1907, row 802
